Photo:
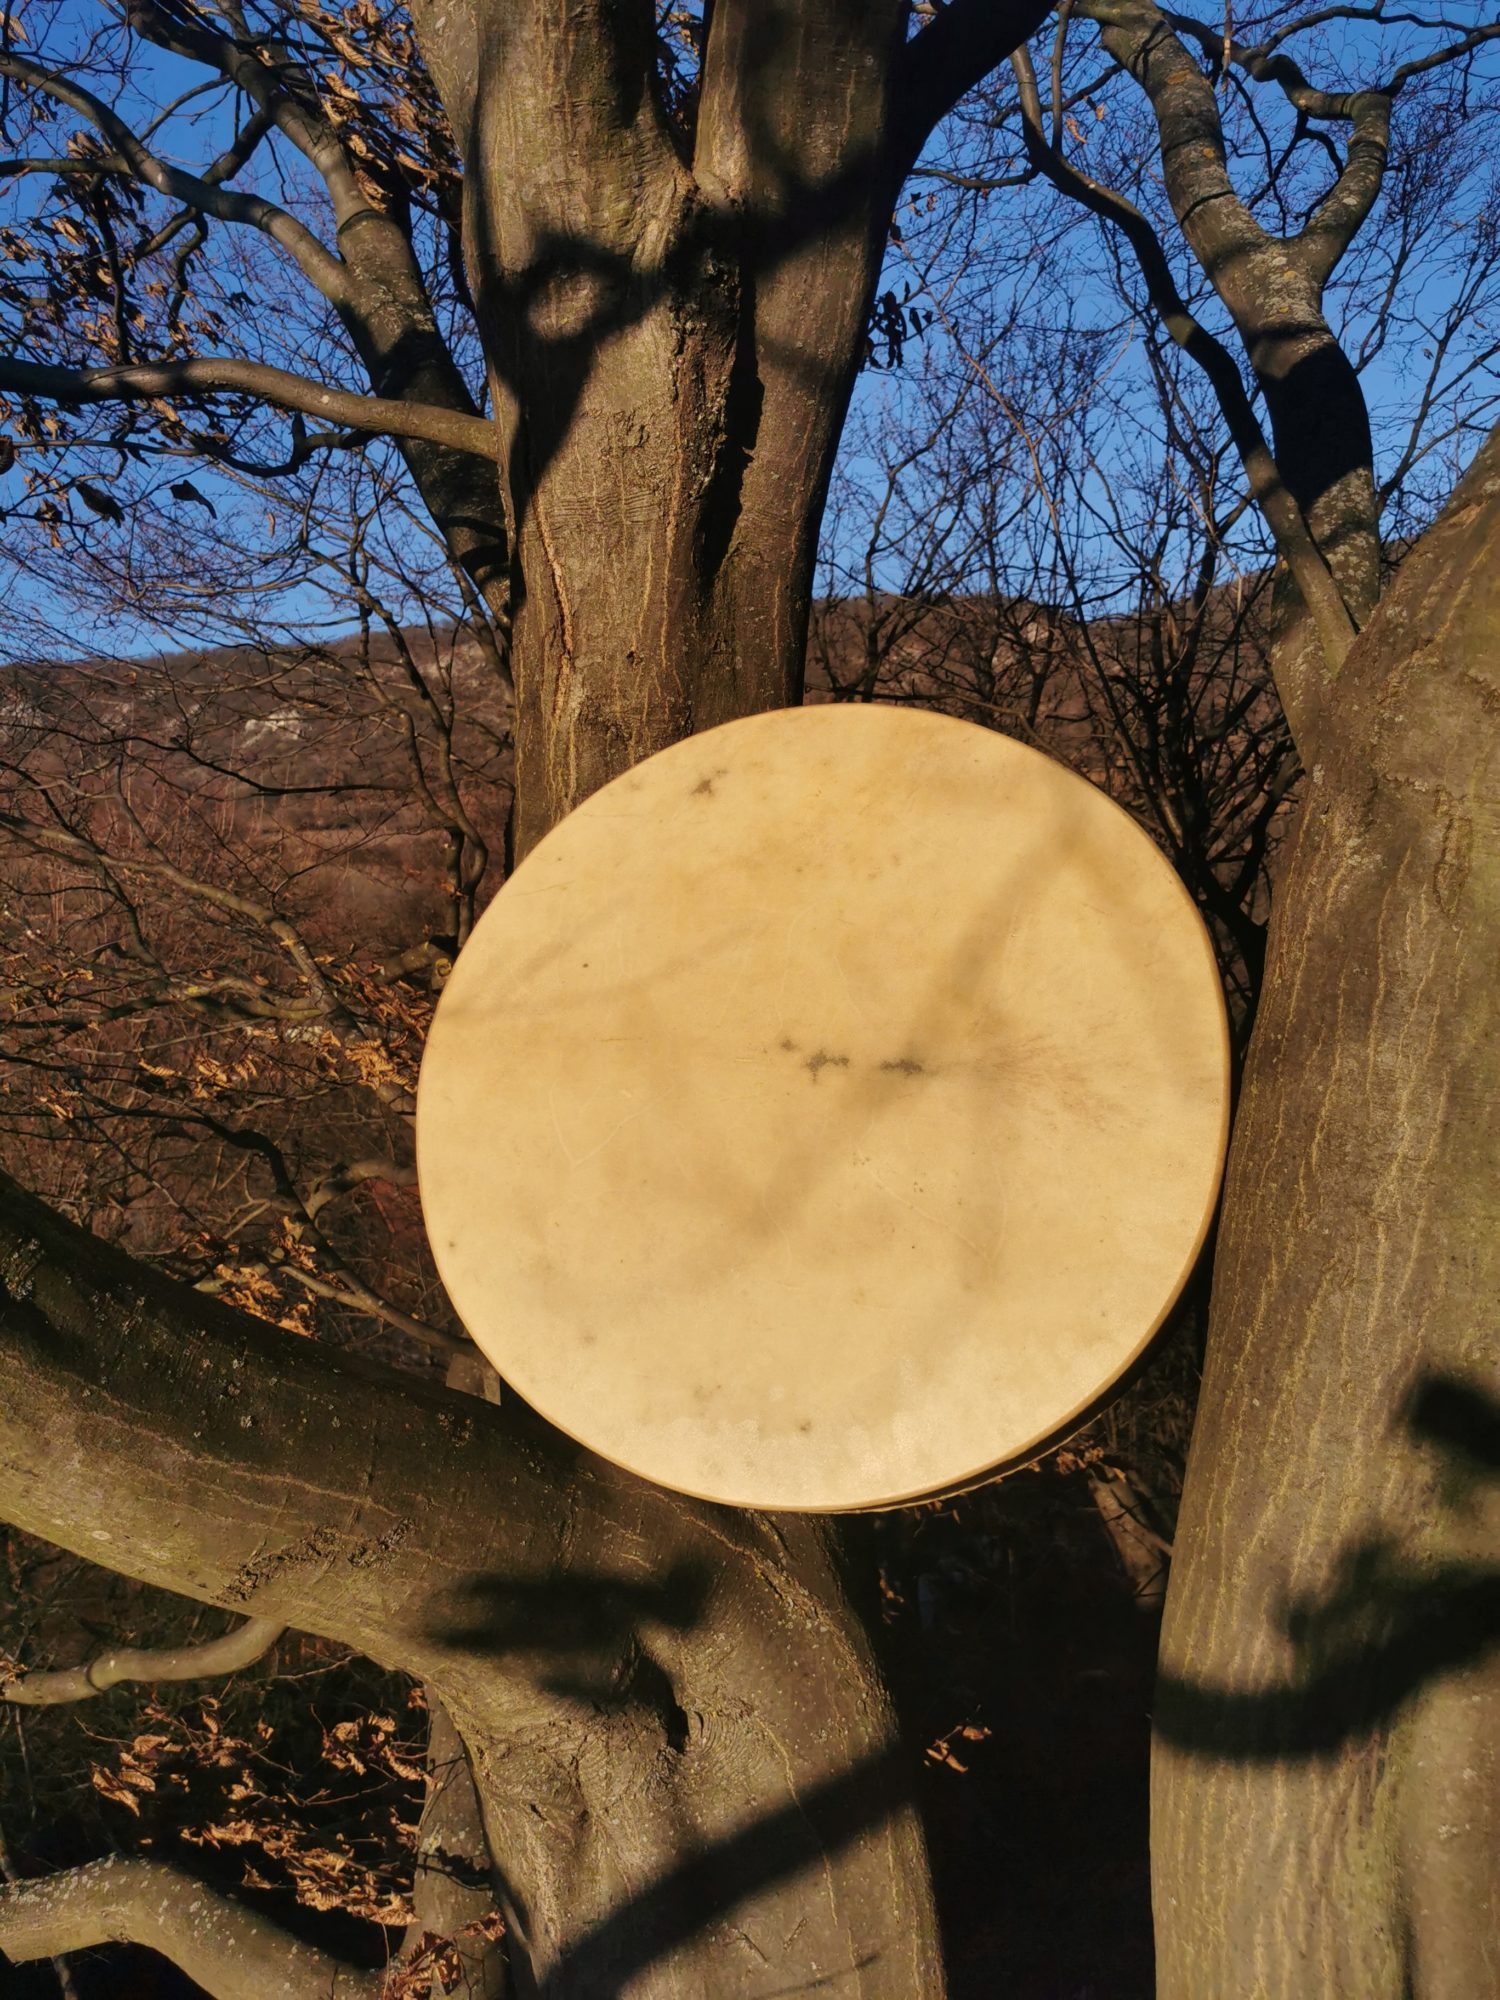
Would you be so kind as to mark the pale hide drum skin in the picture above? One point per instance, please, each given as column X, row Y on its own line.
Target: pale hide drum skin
column 828, row 1111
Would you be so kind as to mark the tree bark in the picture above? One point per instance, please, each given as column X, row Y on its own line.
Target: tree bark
column 674, row 329
column 673, row 342
column 1322, row 498
column 237, row 1648
column 687, row 1766
column 453, row 1893
column 230, row 1951
column 1327, row 1778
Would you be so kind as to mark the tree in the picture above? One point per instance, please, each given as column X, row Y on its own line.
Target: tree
column 1330, row 1630
column 671, row 274
column 675, row 297
column 277, row 847
column 1329, row 1672
column 1002, row 552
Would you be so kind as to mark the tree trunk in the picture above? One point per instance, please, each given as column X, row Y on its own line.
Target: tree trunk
column 687, row 1766
column 1327, row 1776
column 1318, row 496
column 672, row 343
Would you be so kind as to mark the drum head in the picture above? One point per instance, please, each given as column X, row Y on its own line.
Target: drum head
column 828, row 1111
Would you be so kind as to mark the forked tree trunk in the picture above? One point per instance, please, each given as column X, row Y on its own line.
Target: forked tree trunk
column 1327, row 1774
column 672, row 343
column 673, row 330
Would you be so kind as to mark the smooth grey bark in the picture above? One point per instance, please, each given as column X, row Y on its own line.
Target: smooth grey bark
column 453, row 1892
column 237, row 1953
column 1316, row 487
column 230, row 1951
column 237, row 1648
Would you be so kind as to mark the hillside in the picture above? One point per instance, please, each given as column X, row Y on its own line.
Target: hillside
column 234, row 882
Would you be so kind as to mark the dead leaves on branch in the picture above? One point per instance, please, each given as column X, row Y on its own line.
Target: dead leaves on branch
column 944, row 1750
column 376, row 92
column 200, row 1113
column 206, row 1055
column 99, row 268
column 442, row 1959
column 363, row 1870
column 336, row 1828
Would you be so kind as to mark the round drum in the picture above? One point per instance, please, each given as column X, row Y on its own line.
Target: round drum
column 828, row 1111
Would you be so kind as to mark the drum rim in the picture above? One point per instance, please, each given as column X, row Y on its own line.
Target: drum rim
column 1056, row 1433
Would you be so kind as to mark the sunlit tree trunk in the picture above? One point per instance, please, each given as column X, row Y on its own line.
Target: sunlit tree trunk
column 673, row 331
column 1327, row 1774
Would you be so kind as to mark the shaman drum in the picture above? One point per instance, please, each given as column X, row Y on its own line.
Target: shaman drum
column 828, row 1111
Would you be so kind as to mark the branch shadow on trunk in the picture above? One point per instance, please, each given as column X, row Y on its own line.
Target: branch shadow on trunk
column 1390, row 1624
column 586, row 1630
column 773, row 1848
column 585, row 1640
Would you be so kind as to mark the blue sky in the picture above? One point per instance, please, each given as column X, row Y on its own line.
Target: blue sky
column 970, row 292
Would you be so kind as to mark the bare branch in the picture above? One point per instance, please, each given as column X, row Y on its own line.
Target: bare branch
column 1283, row 516
column 87, row 854
column 452, row 1893
column 385, row 305
column 1339, row 216
column 1437, row 57
column 146, row 381
column 348, row 1290
column 295, row 113
column 342, row 1179
column 226, row 1655
column 1216, row 223
column 60, row 1964
column 959, row 48
column 316, row 262
column 232, row 1952
column 224, row 168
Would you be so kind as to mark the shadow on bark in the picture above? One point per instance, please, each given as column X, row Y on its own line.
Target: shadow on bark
column 549, row 320
column 586, row 1637
column 1386, row 1627
column 549, row 371
column 589, row 1629
column 773, row 1848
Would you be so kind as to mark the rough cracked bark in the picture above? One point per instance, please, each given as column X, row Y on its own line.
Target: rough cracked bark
column 1330, row 1708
